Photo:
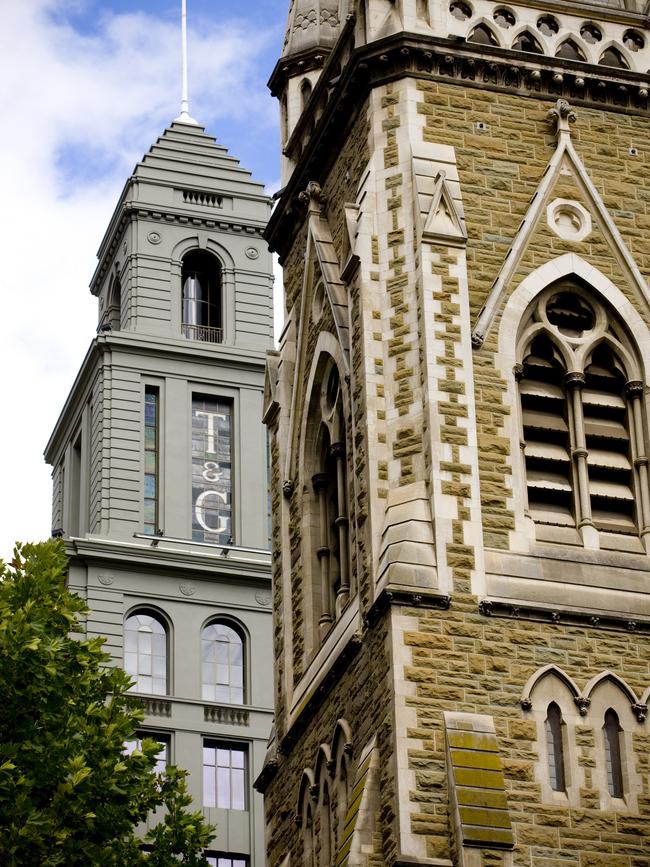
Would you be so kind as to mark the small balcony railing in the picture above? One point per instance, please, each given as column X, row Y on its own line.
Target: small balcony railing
column 206, row 333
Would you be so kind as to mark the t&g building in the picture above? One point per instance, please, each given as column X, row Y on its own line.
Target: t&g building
column 160, row 470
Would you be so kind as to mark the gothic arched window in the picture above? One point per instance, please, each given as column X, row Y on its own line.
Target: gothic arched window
column 613, row 760
column 145, row 652
column 555, row 748
column 482, row 35
column 305, row 93
column 613, row 57
column 222, row 666
column 570, row 51
column 329, row 500
column 202, row 297
column 584, row 436
column 527, row 42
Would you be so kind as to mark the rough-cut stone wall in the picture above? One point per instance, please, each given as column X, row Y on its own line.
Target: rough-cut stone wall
column 462, row 661
column 500, row 170
column 361, row 696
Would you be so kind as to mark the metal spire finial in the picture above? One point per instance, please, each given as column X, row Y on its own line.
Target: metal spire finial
column 184, row 116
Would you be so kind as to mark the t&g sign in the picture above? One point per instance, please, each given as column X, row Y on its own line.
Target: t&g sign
column 211, row 470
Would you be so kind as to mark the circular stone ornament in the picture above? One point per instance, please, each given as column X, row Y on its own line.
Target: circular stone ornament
column 569, row 220
column 154, row 237
column 252, row 252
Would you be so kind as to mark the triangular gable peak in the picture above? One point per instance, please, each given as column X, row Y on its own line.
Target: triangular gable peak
column 321, row 264
column 565, row 159
column 438, row 204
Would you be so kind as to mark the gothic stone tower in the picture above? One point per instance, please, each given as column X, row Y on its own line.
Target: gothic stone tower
column 159, row 465
column 459, row 434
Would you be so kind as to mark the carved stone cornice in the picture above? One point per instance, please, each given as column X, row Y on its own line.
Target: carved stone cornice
column 563, row 616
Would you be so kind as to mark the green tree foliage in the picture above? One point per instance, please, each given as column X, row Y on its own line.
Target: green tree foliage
column 68, row 794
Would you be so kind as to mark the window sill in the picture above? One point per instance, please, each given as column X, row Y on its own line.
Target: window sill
column 601, row 582
column 325, row 659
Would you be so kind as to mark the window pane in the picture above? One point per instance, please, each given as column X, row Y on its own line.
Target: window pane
column 613, row 762
column 226, row 783
column 145, row 655
column 222, row 643
column 211, row 470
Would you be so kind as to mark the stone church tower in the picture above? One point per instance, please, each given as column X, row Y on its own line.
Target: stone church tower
column 459, row 429
column 159, row 465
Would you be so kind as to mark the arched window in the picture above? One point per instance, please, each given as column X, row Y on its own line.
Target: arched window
column 308, row 842
column 482, row 35
column 202, row 301
column 527, row 42
column 582, row 416
column 329, row 502
column 222, row 669
column 145, row 653
column 305, row 93
column 613, row 57
column 613, row 762
column 555, row 748
column 326, row 841
column 570, row 51
column 114, row 309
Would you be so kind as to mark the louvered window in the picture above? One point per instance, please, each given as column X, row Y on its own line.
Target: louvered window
column 582, row 415
column 546, row 433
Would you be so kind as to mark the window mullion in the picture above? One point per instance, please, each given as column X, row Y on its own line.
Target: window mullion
column 341, row 521
column 634, row 394
column 574, row 383
column 320, row 483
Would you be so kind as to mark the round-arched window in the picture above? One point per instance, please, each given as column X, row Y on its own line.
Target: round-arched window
column 222, row 669
column 202, row 301
column 145, row 653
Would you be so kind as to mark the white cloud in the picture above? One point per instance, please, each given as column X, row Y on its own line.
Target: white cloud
column 65, row 94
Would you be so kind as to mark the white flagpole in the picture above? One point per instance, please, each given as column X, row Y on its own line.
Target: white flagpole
column 184, row 116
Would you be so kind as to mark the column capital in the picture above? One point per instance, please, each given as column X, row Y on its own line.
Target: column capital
column 575, row 379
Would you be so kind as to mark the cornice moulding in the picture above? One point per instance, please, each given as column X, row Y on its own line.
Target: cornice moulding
column 431, row 58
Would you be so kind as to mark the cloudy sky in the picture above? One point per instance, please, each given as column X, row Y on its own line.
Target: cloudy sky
column 85, row 87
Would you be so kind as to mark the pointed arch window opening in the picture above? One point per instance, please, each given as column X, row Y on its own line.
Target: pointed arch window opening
column 613, row 757
column 330, row 485
column 202, row 284
column 583, row 429
column 525, row 41
column 555, row 748
column 483, row 35
column 305, row 93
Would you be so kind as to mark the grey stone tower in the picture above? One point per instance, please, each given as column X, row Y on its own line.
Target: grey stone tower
column 160, row 469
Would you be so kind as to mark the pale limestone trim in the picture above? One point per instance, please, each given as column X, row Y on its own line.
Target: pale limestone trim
column 407, row 555
column 537, row 677
column 569, row 207
column 405, row 719
column 327, row 346
column 522, row 538
column 328, row 653
column 565, row 157
column 432, row 159
column 548, row 685
column 605, row 676
column 608, row 693
column 362, row 842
